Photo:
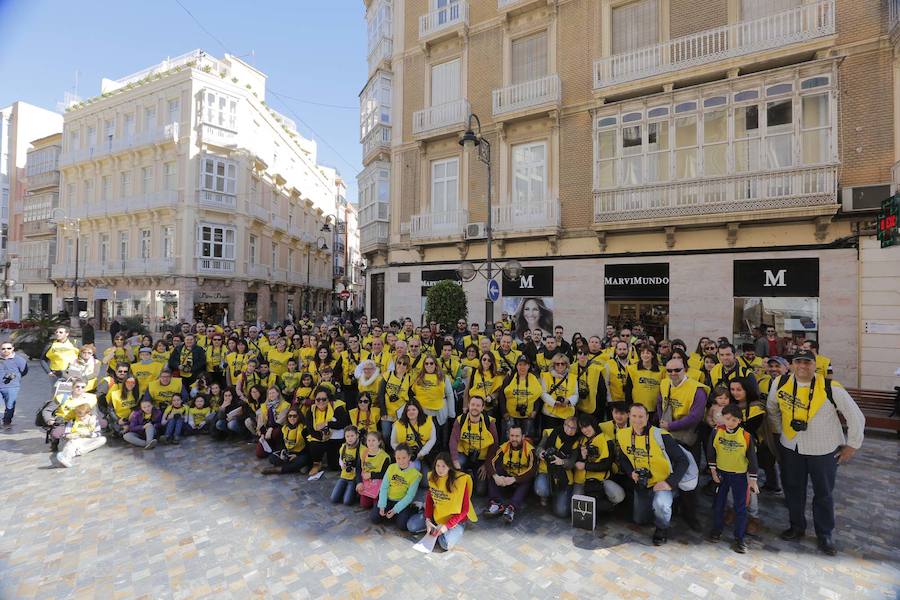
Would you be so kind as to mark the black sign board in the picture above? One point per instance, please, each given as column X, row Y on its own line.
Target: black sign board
column 636, row 281
column 798, row 277
column 584, row 512
column 430, row 278
column 534, row 281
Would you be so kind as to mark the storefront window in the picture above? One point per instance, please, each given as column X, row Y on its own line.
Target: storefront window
column 795, row 318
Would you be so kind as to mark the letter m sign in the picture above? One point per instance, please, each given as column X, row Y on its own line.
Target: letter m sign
column 526, row 282
column 775, row 279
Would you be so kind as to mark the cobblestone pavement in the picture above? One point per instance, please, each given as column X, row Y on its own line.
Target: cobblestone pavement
column 197, row 520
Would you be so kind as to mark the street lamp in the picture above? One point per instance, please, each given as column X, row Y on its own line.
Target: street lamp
column 60, row 219
column 472, row 140
column 320, row 245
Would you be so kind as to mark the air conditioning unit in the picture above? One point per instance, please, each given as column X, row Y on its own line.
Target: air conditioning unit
column 864, row 197
column 476, row 231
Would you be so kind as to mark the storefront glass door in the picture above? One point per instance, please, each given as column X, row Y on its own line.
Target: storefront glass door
column 652, row 314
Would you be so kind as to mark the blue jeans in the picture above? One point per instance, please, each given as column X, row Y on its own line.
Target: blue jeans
column 562, row 499
column 9, row 396
column 174, row 426
column 386, row 428
column 649, row 503
column 416, row 524
column 344, row 492
column 736, row 483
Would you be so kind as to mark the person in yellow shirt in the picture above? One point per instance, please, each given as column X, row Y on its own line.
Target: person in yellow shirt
column 448, row 504
column 278, row 356
column 642, row 385
column 433, row 391
column 823, row 363
column 591, row 376
column 398, row 489
column 364, row 416
column 60, row 353
column 519, row 396
column 505, row 356
column 146, row 369
column 292, row 456
column 122, row 399
column 593, row 464
column 216, row 353
column 485, row 382
column 560, row 392
column 236, row 363
column 344, row 491
column 161, row 353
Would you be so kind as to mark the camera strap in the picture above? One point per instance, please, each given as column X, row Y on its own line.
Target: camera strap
column 647, row 447
column 556, row 385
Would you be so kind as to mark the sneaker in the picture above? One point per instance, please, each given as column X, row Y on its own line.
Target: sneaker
column 827, row 546
column 509, row 515
column 739, row 546
column 714, row 536
column 314, row 470
column 660, row 536
column 175, row 441
column 61, row 459
column 151, row 444
column 315, row 477
column 495, row 509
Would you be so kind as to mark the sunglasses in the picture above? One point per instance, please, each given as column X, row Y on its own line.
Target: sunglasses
column 321, row 399
column 293, row 416
column 363, row 401
column 6, row 348
column 674, row 370
column 559, row 364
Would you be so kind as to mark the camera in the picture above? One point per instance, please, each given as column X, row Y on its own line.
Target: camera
column 593, row 453
column 394, row 398
column 550, row 454
column 644, row 476
column 473, row 457
column 798, row 425
column 583, row 392
column 7, row 378
column 560, row 399
column 348, row 470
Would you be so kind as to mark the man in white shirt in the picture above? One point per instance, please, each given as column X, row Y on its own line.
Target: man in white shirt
column 812, row 443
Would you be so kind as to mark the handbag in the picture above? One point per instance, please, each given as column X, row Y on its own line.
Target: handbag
column 371, row 488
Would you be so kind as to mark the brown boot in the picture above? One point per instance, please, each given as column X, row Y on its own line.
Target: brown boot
column 271, row 471
column 753, row 526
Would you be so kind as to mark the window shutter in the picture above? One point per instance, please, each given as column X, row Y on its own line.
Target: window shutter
column 635, row 25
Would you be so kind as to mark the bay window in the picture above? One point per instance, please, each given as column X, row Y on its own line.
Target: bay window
column 743, row 128
column 219, row 109
column 215, row 241
column 218, row 175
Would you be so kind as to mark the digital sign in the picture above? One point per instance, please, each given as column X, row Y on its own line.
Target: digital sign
column 888, row 232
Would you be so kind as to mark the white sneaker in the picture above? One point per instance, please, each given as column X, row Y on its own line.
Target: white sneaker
column 61, row 458
column 150, row 444
column 316, row 477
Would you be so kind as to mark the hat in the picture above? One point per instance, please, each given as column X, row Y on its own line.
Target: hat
column 523, row 359
column 143, row 349
column 804, row 355
column 778, row 359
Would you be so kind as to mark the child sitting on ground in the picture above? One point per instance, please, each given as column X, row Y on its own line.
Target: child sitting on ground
column 374, row 462
column 732, row 464
column 198, row 417
column 82, row 436
column 173, row 420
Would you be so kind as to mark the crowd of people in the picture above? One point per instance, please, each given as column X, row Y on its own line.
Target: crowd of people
column 415, row 422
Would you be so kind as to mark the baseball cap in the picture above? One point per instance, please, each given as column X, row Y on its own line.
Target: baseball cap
column 804, row 355
column 144, row 349
column 778, row 359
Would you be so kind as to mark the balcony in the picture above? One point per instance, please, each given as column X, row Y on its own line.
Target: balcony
column 216, row 135
column 296, row 278
column 279, row 223
column 800, row 24
column 116, row 268
column 120, row 206
column 773, row 191
column 45, row 179
column 377, row 141
column 443, row 22
column 295, row 232
column 506, row 6
column 438, row 225
column 373, row 236
column 38, row 228
column 161, row 135
column 257, row 271
column 34, row 274
column 215, row 266
column 525, row 216
column 259, row 212
column 381, row 53
column 545, row 92
column 278, row 276
column 216, row 201
column 440, row 119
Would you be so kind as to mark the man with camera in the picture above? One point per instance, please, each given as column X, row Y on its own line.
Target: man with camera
column 804, row 408
column 656, row 463
column 557, row 450
column 593, row 463
column 473, row 443
column 514, row 467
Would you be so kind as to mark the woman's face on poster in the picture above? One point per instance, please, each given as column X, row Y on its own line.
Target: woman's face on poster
column 532, row 313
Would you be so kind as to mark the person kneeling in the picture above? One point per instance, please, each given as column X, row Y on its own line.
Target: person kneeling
column 655, row 462
column 593, row 464
column 82, row 436
column 448, row 504
column 398, row 488
column 514, row 467
column 558, row 448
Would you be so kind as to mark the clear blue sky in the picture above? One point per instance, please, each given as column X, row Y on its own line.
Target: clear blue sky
column 311, row 50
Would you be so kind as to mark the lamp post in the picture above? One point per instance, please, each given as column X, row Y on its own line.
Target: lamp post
column 73, row 223
column 472, row 140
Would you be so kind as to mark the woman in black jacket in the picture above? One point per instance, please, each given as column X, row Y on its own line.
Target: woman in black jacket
column 325, row 424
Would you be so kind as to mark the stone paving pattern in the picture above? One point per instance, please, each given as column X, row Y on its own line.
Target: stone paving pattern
column 198, row 521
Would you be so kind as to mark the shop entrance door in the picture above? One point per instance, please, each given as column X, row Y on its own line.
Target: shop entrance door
column 210, row 313
column 652, row 314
